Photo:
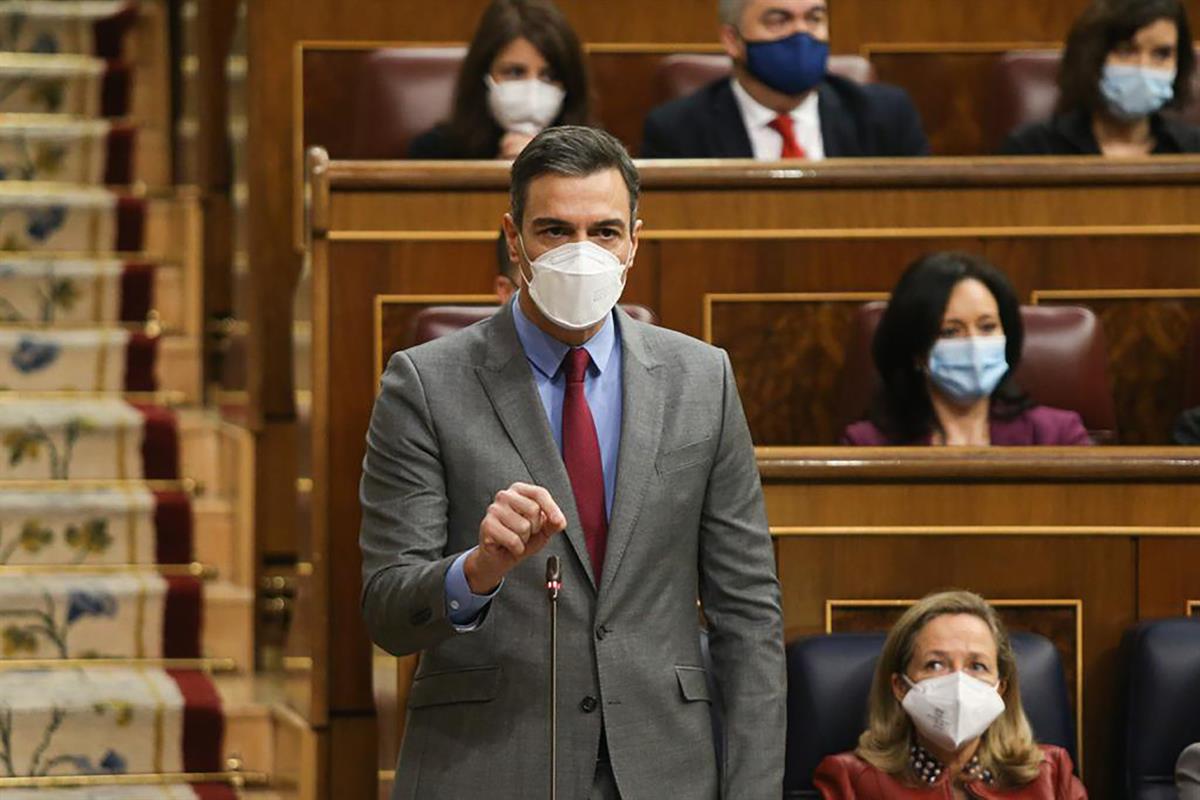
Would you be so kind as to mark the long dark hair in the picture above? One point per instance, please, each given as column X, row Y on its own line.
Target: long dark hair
column 1103, row 26
column 912, row 324
column 504, row 21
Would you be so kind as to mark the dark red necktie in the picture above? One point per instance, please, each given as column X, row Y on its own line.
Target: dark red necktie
column 786, row 128
column 581, row 454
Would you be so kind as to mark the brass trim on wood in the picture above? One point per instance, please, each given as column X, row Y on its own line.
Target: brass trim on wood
column 211, row 665
column 781, row 234
column 711, row 298
column 1038, row 295
column 195, row 569
column 187, row 485
column 236, row 779
column 868, row 49
column 1128, row 531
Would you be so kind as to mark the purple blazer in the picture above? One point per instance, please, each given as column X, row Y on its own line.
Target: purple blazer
column 1039, row 425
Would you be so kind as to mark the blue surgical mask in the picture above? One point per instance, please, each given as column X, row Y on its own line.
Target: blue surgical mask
column 967, row 370
column 791, row 65
column 1136, row 92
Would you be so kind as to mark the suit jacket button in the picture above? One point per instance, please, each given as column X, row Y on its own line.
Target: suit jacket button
column 601, row 632
column 588, row 704
column 421, row 616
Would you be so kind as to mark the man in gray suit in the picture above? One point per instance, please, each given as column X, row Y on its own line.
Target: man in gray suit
column 561, row 426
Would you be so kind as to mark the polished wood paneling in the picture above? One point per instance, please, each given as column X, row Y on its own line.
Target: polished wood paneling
column 1147, row 336
column 788, row 351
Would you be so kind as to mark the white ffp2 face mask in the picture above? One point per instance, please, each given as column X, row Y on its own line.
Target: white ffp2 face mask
column 952, row 709
column 575, row 285
column 525, row 106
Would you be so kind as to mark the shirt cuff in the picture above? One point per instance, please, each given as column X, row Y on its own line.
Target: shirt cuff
column 464, row 607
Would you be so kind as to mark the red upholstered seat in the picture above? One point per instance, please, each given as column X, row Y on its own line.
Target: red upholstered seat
column 401, row 93
column 1026, row 91
column 1065, row 365
column 683, row 74
column 437, row 321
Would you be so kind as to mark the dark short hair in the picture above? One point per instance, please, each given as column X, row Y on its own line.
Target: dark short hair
column 912, row 324
column 505, row 268
column 1106, row 24
column 575, row 152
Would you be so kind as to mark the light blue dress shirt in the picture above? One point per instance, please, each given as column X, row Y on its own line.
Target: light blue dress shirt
column 601, row 386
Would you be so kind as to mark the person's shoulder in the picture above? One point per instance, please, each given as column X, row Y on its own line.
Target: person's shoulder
column 437, row 143
column 1062, row 134
column 668, row 345
column 689, row 106
column 875, row 95
column 1031, row 139
column 1056, row 426
column 864, row 433
column 1185, row 136
column 466, row 346
column 847, row 763
column 1187, row 770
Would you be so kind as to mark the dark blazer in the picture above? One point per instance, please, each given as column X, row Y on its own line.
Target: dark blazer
column 857, row 120
column 1070, row 134
column 847, row 777
column 1040, row 425
column 438, row 143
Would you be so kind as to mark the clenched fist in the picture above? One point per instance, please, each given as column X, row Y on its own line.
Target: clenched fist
column 519, row 522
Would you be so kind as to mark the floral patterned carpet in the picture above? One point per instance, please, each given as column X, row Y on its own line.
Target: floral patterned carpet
column 101, row 620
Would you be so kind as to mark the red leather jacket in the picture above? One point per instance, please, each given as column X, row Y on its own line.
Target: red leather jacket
column 847, row 777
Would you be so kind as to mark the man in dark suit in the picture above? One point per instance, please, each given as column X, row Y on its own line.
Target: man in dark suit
column 781, row 102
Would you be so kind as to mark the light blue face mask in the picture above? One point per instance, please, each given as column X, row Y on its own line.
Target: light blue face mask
column 1136, row 92
column 967, row 370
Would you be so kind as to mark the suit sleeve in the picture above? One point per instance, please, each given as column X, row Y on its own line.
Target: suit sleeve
column 404, row 518
column 656, row 142
column 832, row 780
column 909, row 137
column 741, row 599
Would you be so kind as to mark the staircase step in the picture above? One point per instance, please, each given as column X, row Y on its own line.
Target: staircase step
column 96, row 27
column 46, row 147
column 65, row 84
column 45, row 289
column 169, row 791
column 79, row 616
column 87, row 527
column 110, row 721
column 228, row 630
column 94, row 438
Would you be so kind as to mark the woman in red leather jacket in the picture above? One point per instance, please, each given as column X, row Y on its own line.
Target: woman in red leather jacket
column 945, row 717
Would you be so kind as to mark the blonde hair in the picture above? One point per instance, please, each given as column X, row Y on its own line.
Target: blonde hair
column 1007, row 748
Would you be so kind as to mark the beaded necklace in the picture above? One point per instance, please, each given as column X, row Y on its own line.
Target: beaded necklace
column 928, row 769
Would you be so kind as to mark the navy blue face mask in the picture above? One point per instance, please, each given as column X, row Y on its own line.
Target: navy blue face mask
column 791, row 65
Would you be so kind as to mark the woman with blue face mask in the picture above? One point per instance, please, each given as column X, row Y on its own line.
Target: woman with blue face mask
column 1125, row 63
column 946, row 349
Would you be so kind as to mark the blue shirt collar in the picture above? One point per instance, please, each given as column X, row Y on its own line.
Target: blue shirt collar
column 546, row 353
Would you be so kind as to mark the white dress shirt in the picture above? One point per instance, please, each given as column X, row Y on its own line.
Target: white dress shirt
column 765, row 142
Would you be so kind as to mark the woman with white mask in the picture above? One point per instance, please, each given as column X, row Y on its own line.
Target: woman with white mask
column 1125, row 63
column 946, row 350
column 945, row 717
column 524, row 71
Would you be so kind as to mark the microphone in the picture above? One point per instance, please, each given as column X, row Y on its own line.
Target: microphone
column 553, row 577
column 553, row 586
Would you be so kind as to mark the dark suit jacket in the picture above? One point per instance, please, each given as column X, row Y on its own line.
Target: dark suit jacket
column 440, row 144
column 1071, row 134
column 857, row 120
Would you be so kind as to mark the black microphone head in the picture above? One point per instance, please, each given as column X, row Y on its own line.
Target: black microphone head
column 553, row 570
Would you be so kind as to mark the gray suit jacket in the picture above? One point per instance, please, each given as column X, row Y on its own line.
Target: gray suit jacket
column 1187, row 773
column 457, row 420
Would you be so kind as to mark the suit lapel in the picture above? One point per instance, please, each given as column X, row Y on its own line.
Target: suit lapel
column 508, row 381
column 729, row 131
column 837, row 135
column 641, row 430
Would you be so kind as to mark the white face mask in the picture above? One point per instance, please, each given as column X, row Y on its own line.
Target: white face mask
column 953, row 709
column 524, row 106
column 575, row 285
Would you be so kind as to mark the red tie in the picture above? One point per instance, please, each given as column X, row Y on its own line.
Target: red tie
column 786, row 129
column 581, row 454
